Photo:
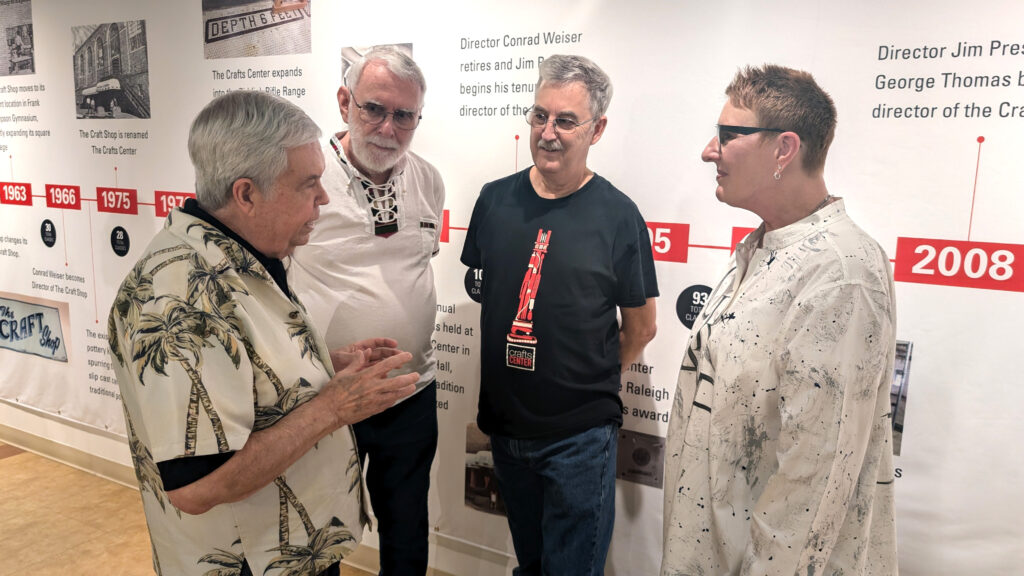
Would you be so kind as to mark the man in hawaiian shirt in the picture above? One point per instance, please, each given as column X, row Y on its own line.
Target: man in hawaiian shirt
column 237, row 420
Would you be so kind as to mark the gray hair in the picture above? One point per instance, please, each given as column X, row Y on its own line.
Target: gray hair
column 560, row 69
column 397, row 62
column 244, row 134
column 788, row 99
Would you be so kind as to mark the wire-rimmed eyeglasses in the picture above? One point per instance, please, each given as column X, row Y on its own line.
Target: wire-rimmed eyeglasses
column 563, row 124
column 374, row 114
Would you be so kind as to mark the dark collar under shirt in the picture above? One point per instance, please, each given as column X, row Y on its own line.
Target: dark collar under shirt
column 275, row 267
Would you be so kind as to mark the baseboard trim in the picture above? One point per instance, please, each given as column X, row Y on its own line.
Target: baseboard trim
column 367, row 559
column 84, row 461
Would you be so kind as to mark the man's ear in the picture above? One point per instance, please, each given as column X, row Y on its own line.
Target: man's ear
column 243, row 195
column 787, row 148
column 344, row 101
column 599, row 125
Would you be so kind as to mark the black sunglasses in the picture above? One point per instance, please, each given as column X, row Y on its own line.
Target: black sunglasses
column 727, row 132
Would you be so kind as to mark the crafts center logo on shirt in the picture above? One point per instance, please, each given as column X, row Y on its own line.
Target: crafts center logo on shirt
column 522, row 357
column 521, row 351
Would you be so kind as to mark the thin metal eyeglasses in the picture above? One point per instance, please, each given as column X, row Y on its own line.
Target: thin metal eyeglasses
column 374, row 114
column 563, row 124
column 727, row 133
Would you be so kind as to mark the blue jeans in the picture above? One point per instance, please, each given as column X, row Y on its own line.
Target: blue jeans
column 400, row 443
column 560, row 497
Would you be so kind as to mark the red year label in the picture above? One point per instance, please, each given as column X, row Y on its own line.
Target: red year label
column 67, row 197
column 167, row 201
column 16, row 193
column 955, row 263
column 117, row 200
column 669, row 241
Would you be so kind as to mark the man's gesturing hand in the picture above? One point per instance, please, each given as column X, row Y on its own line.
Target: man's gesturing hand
column 374, row 350
column 363, row 389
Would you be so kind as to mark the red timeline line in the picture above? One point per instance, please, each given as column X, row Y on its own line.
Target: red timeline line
column 974, row 192
column 516, row 168
column 445, row 215
column 64, row 237
column 92, row 256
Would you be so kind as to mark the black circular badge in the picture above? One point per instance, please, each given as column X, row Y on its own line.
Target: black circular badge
column 690, row 303
column 641, row 456
column 475, row 284
column 119, row 241
column 49, row 233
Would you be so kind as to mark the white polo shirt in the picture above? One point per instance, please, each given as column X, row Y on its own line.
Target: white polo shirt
column 359, row 284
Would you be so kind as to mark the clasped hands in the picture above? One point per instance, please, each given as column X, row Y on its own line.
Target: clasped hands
column 361, row 387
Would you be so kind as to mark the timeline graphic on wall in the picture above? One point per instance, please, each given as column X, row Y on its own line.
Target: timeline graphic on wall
column 925, row 155
column 110, row 200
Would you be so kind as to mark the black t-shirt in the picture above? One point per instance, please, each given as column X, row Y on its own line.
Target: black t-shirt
column 554, row 274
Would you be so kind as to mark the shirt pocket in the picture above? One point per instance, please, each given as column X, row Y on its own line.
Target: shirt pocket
column 429, row 230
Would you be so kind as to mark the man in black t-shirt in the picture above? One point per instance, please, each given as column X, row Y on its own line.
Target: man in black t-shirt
column 563, row 252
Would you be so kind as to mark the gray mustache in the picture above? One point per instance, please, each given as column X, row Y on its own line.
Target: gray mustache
column 552, row 146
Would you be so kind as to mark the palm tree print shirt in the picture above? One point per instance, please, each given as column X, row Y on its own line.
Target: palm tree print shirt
column 208, row 349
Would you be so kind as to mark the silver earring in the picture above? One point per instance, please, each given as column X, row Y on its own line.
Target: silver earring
column 778, row 173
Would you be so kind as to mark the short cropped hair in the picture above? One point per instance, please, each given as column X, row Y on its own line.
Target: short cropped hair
column 560, row 69
column 244, row 134
column 395, row 60
column 790, row 100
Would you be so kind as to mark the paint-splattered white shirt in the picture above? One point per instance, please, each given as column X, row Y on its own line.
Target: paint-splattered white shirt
column 779, row 455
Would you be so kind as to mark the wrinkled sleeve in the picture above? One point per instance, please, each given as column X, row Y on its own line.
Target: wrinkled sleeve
column 834, row 350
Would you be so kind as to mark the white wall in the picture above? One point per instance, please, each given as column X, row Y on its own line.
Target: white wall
column 903, row 179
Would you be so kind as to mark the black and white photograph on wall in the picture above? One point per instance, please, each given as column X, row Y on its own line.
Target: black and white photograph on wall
column 640, row 458
column 481, row 484
column 111, row 67
column 17, row 55
column 245, row 28
column 898, row 393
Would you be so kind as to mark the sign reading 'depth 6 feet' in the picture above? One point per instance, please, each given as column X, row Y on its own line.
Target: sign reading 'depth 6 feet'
column 982, row 265
column 19, row 193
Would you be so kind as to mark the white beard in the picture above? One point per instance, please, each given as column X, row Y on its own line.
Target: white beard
column 373, row 158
